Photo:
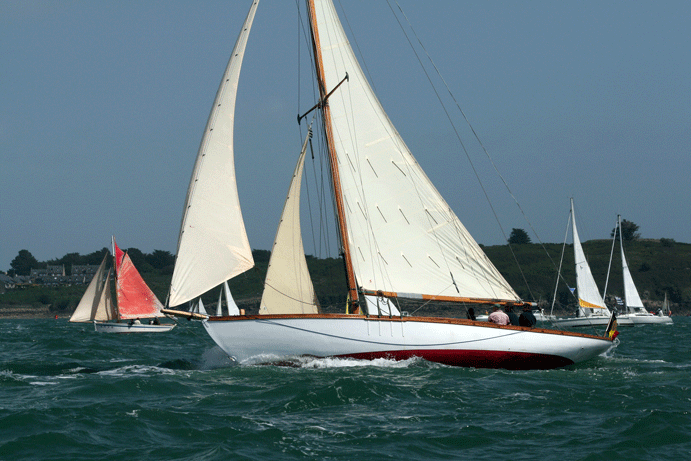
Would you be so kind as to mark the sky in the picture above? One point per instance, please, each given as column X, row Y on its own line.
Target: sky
column 102, row 107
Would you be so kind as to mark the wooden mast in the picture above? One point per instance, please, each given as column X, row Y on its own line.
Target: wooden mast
column 335, row 176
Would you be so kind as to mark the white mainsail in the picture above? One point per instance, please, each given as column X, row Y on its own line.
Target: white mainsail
column 404, row 238
column 96, row 303
column 632, row 299
column 589, row 298
column 288, row 286
column 213, row 245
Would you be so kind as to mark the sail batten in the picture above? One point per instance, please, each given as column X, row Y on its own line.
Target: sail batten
column 212, row 215
column 383, row 179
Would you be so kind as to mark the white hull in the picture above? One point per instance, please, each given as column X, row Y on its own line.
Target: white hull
column 125, row 327
column 646, row 319
column 270, row 338
column 593, row 321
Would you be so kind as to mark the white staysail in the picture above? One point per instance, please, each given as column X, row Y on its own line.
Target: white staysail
column 288, row 287
column 403, row 237
column 213, row 245
column 589, row 298
column 631, row 297
column 96, row 303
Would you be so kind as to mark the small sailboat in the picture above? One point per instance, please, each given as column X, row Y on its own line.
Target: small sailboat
column 137, row 309
column 398, row 237
column 592, row 311
column 634, row 311
column 666, row 310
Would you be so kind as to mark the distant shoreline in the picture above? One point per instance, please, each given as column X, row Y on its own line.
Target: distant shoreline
column 29, row 312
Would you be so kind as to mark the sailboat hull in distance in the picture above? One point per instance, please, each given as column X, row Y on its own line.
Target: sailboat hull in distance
column 125, row 327
column 646, row 319
column 456, row 342
column 591, row 321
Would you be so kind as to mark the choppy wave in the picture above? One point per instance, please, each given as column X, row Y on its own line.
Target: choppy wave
column 68, row 393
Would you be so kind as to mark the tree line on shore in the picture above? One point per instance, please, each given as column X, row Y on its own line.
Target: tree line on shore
column 658, row 267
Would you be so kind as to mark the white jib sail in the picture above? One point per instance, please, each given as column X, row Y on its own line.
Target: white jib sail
column 288, row 287
column 631, row 297
column 213, row 244
column 589, row 297
column 403, row 236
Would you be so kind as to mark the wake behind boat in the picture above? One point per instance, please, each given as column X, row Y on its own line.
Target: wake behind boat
column 399, row 240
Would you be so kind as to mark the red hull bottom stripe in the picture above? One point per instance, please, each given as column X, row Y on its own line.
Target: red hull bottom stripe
column 476, row 359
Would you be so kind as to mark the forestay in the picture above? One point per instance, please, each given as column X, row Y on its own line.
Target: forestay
column 213, row 245
column 403, row 236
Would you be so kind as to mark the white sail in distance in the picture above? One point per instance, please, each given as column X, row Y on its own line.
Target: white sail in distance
column 631, row 297
column 213, row 245
column 588, row 295
column 404, row 238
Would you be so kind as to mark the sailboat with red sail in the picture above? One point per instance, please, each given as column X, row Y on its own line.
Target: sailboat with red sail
column 137, row 309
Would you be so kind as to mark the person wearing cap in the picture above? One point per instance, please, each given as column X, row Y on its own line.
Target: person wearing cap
column 527, row 319
column 498, row 317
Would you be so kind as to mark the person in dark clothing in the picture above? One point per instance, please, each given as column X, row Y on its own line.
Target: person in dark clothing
column 527, row 319
column 471, row 313
column 513, row 318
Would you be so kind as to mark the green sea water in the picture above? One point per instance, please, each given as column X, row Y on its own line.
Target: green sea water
column 69, row 393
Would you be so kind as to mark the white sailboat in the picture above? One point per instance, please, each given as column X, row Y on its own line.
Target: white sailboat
column 399, row 239
column 634, row 311
column 592, row 311
column 665, row 310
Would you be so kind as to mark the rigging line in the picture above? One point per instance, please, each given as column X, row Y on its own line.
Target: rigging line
column 611, row 257
column 563, row 249
column 458, row 136
column 287, row 295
